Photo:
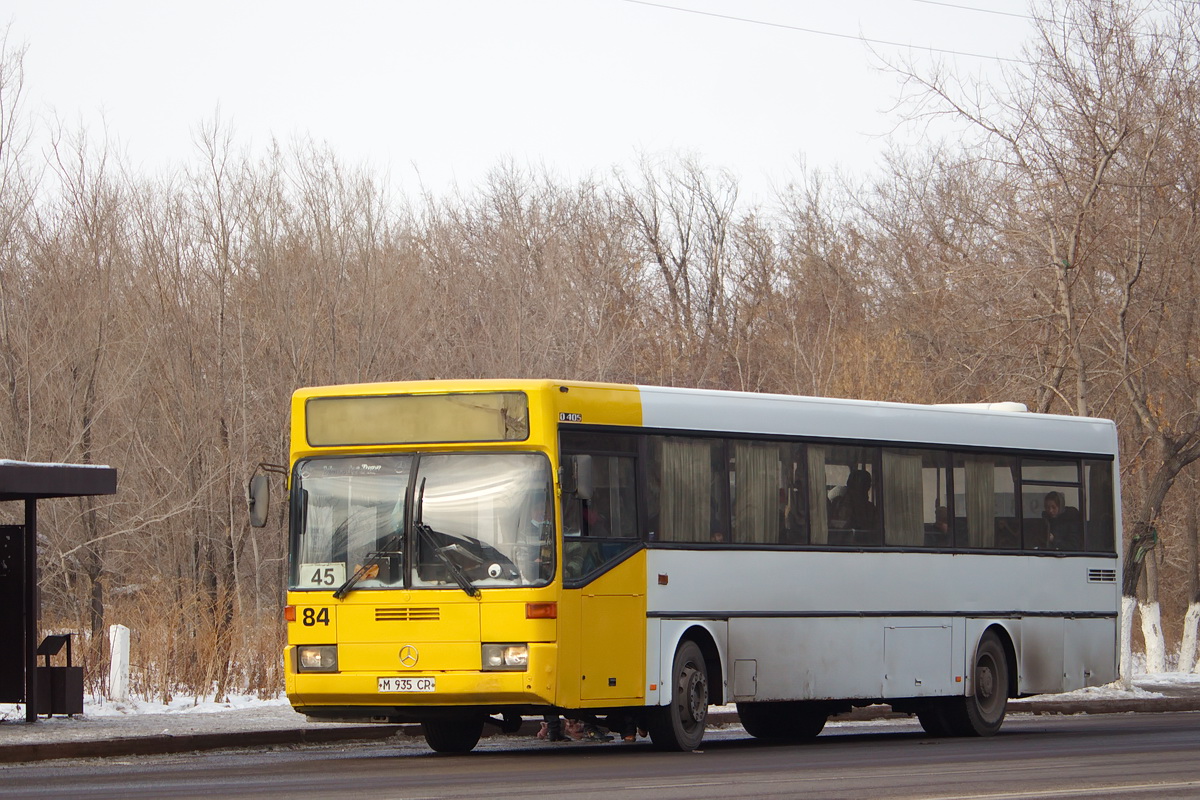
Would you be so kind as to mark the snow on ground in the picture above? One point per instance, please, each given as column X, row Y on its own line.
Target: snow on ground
column 181, row 705
column 1181, row 679
column 100, row 707
column 1111, row 691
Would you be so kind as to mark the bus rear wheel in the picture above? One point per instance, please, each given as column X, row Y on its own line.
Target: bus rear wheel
column 792, row 721
column 680, row 725
column 453, row 734
column 982, row 713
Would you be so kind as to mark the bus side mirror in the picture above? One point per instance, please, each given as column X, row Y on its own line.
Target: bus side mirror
column 259, row 496
column 576, row 477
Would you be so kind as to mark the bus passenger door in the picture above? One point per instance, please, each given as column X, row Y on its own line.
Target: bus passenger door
column 602, row 563
column 612, row 655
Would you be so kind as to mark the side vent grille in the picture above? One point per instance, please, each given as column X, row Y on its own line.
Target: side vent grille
column 410, row 614
column 1102, row 576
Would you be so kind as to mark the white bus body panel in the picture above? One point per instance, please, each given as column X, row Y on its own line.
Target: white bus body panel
column 839, row 625
column 654, row 647
column 860, row 625
column 780, row 415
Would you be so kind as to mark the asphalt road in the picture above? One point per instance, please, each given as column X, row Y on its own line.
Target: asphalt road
column 1099, row 756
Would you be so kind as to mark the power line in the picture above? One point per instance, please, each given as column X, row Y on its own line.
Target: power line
column 1051, row 22
column 822, row 33
column 980, row 10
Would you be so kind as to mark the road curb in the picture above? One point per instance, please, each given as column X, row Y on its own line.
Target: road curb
column 163, row 744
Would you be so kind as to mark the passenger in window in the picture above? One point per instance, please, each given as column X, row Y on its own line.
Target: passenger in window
column 597, row 525
column 853, row 507
column 1063, row 528
column 575, row 552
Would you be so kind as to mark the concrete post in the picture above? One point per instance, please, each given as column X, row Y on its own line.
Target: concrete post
column 118, row 667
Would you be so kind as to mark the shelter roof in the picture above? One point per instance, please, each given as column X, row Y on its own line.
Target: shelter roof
column 27, row 480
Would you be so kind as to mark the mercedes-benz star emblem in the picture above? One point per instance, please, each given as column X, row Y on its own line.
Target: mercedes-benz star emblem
column 409, row 655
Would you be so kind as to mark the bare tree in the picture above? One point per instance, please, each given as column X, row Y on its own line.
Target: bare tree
column 1091, row 138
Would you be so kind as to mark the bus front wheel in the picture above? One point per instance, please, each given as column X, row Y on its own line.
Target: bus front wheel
column 982, row 713
column 453, row 734
column 680, row 725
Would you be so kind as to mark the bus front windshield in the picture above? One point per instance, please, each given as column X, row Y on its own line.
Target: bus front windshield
column 453, row 520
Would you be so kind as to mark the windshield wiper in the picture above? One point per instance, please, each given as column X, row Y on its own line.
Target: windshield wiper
column 428, row 535
column 460, row 577
column 373, row 559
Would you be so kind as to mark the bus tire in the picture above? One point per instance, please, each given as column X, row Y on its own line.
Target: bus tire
column 932, row 716
column 793, row 721
column 680, row 725
column 453, row 734
column 982, row 712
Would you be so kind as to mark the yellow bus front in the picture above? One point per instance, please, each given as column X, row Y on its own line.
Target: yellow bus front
column 422, row 551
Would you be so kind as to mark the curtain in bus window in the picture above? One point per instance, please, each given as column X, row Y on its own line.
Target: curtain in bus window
column 818, row 499
column 686, row 490
column 612, row 509
column 902, row 493
column 756, row 506
column 981, row 502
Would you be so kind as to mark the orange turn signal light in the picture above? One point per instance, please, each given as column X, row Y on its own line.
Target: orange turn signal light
column 289, row 613
column 541, row 610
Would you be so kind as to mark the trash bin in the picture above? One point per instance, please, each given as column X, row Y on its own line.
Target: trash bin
column 59, row 689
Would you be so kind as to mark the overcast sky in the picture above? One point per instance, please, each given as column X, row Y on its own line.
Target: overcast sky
column 440, row 92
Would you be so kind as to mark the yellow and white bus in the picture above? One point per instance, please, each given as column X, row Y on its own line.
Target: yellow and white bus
column 465, row 551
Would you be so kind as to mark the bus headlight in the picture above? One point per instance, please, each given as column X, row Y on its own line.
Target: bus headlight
column 505, row 656
column 316, row 658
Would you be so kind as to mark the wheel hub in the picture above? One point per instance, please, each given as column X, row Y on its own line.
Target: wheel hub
column 986, row 679
column 695, row 694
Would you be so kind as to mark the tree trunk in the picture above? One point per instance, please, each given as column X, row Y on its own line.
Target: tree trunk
column 1150, row 614
column 1141, row 548
column 1191, row 620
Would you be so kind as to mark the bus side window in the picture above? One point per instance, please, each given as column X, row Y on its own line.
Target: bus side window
column 985, row 495
column 1051, row 508
column 692, row 479
column 766, row 493
column 852, row 473
column 601, row 530
column 916, row 498
column 1098, row 524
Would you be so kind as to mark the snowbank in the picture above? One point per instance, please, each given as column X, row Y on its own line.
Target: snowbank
column 100, row 707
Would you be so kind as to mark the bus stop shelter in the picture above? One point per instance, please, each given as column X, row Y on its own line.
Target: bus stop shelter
column 30, row 482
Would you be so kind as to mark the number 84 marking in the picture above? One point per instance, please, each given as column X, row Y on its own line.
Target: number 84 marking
column 315, row 616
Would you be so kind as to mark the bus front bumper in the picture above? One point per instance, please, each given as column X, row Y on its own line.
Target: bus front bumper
column 534, row 685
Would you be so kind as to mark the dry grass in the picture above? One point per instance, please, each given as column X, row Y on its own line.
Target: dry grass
column 177, row 648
